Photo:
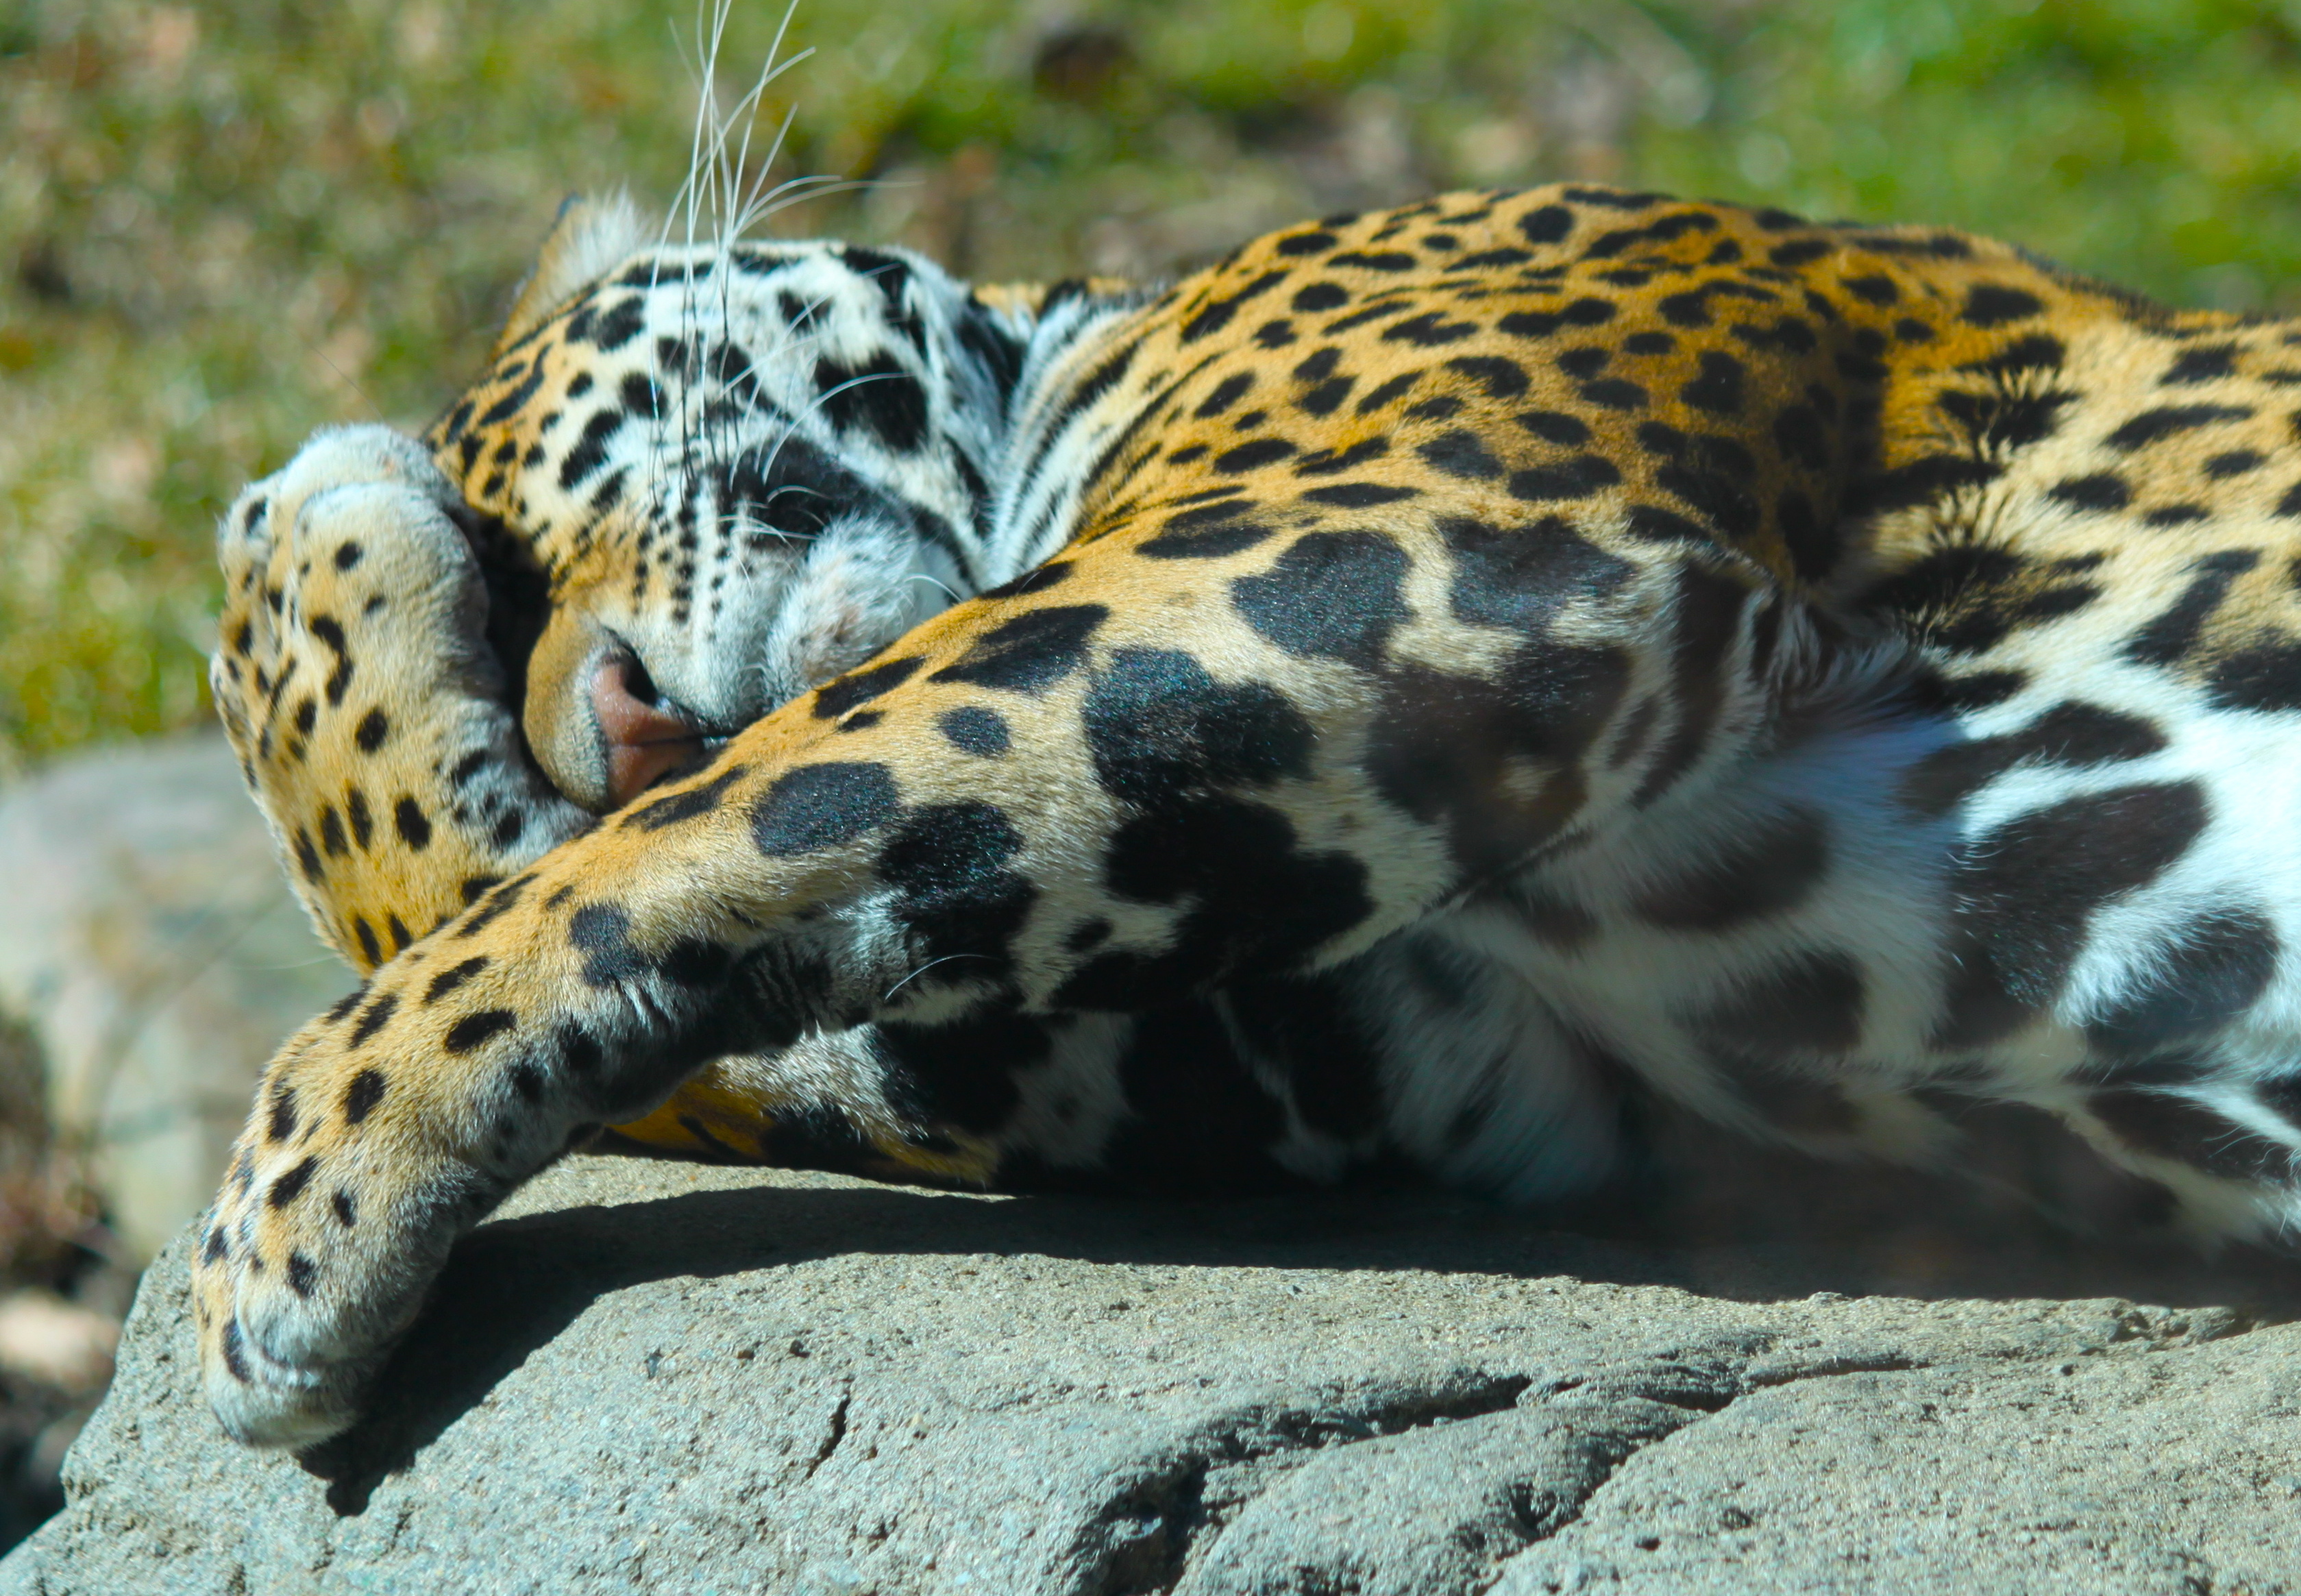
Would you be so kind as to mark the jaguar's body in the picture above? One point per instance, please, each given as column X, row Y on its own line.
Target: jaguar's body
column 1453, row 667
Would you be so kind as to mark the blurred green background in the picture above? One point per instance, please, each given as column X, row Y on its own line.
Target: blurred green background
column 222, row 224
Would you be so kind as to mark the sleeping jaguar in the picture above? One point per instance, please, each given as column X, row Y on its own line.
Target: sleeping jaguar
column 1387, row 700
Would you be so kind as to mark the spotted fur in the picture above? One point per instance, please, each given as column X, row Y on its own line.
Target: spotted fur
column 1410, row 684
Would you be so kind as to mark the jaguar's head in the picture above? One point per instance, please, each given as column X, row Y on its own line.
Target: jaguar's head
column 708, row 478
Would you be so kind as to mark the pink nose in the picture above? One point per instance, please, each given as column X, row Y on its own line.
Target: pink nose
column 645, row 742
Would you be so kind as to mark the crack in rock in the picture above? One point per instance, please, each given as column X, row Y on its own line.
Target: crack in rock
column 1139, row 1543
column 1415, row 1493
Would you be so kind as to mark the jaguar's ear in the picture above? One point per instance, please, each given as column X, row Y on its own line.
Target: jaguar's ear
column 591, row 235
column 1020, row 304
column 1015, row 303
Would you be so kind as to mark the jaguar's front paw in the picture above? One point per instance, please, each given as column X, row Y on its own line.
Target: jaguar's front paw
column 317, row 1252
column 341, row 569
column 290, row 1331
column 370, row 717
column 263, row 1382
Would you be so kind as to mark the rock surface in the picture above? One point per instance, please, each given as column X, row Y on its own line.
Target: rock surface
column 148, row 940
column 648, row 1376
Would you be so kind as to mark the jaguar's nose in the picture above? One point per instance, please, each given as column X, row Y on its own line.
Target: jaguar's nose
column 645, row 739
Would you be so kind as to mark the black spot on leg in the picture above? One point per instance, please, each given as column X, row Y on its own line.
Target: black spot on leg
column 1501, row 378
column 1387, row 393
column 2172, row 636
column 1257, row 901
column 1030, row 652
column 1996, row 420
column 1360, row 495
column 818, row 806
column 2171, row 1125
column 365, row 935
column 288, row 1187
column 475, row 1029
column 1925, row 480
column 361, row 1097
column 949, row 865
column 331, row 631
column 1159, row 726
column 2025, row 891
column 415, row 828
column 2266, row 676
column 2215, row 970
column 1429, row 329
column 2205, row 363
column 1552, row 426
column 1493, row 760
column 602, row 933
column 1206, row 532
column 2071, row 734
column 580, row 1052
column 688, row 804
column 860, row 686
column 283, row 1114
column 1521, row 576
column 449, row 979
column 1216, row 314
column 963, row 1074
column 1253, row 455
column 972, row 729
column 234, row 1355
column 374, row 728
column 1337, row 595
column 1226, row 393
column 1303, row 1029
column 500, row 901
column 378, row 1016
column 300, row 1271
column 347, row 1207
column 1708, row 612
column 1052, row 573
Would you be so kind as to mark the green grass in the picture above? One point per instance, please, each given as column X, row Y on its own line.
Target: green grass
column 221, row 225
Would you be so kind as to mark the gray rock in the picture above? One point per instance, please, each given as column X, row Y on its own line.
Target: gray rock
column 147, row 939
column 647, row 1377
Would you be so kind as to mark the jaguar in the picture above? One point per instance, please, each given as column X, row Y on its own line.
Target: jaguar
column 1393, row 700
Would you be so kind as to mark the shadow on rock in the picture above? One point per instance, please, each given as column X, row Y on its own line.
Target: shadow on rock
column 513, row 1286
